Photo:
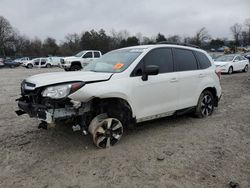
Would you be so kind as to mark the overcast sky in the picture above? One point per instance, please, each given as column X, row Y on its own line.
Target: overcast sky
column 56, row 18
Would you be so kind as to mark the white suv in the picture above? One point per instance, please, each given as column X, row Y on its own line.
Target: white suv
column 80, row 60
column 39, row 62
column 124, row 87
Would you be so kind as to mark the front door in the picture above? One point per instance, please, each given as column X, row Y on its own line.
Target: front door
column 159, row 94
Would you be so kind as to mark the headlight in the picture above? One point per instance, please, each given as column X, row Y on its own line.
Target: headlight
column 61, row 91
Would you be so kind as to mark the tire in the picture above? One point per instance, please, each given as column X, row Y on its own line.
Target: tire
column 230, row 70
column 48, row 65
column 245, row 69
column 75, row 68
column 106, row 131
column 205, row 106
column 29, row 66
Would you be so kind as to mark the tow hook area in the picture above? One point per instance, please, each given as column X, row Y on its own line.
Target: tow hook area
column 43, row 125
column 77, row 127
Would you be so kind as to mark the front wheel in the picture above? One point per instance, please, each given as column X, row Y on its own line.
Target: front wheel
column 75, row 68
column 29, row 66
column 205, row 106
column 245, row 69
column 106, row 131
column 230, row 70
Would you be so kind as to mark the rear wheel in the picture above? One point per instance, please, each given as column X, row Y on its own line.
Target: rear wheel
column 245, row 69
column 230, row 70
column 75, row 67
column 48, row 65
column 106, row 131
column 205, row 106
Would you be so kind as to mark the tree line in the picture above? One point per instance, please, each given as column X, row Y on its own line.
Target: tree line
column 14, row 44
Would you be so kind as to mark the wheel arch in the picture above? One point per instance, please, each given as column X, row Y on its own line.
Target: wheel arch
column 120, row 105
column 76, row 63
column 214, row 93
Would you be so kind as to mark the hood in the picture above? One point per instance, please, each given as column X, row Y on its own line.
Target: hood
column 221, row 63
column 61, row 77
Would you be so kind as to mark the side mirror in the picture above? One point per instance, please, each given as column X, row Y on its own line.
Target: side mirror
column 150, row 70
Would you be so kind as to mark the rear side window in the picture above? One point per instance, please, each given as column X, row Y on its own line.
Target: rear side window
column 184, row 60
column 203, row 60
column 36, row 61
column 161, row 57
column 96, row 54
column 241, row 58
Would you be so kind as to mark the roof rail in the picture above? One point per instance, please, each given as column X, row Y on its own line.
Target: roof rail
column 178, row 43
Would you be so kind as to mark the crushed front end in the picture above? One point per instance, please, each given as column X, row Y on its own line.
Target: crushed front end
column 47, row 105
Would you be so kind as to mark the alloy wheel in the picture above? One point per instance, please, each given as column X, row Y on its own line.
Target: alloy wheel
column 107, row 132
column 206, row 105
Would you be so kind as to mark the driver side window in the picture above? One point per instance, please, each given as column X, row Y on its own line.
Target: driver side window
column 237, row 58
column 88, row 55
column 161, row 57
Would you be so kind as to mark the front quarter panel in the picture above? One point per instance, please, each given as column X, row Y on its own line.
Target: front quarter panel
column 113, row 88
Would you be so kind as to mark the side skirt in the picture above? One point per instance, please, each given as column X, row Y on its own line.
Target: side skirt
column 175, row 113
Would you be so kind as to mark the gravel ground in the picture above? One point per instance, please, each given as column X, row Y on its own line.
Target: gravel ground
column 170, row 152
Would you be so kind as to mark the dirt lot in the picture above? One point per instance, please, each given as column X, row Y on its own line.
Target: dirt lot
column 170, row 152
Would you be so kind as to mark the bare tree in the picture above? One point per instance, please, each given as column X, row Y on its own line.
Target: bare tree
column 201, row 36
column 160, row 38
column 7, row 34
column 118, row 36
column 247, row 24
column 236, row 31
column 174, row 38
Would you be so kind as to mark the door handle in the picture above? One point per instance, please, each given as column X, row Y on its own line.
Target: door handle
column 173, row 80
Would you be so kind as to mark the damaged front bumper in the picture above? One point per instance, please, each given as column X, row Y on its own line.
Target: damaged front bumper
column 49, row 115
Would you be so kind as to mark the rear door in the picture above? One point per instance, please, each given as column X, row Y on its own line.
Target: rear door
column 243, row 62
column 237, row 63
column 189, row 75
column 96, row 54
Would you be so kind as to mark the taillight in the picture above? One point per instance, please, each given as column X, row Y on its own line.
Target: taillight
column 218, row 73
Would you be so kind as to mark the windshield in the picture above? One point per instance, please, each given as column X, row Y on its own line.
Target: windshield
column 80, row 54
column 114, row 61
column 225, row 58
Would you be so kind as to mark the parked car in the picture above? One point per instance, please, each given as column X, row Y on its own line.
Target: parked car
column 22, row 60
column 230, row 63
column 124, row 87
column 38, row 62
column 247, row 55
column 80, row 60
column 1, row 62
column 10, row 63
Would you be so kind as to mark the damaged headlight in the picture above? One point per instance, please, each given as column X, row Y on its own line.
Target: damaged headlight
column 61, row 91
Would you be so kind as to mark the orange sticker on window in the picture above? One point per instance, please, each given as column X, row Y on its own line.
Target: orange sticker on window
column 118, row 66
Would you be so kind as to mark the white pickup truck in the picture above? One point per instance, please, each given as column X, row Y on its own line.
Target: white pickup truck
column 80, row 60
